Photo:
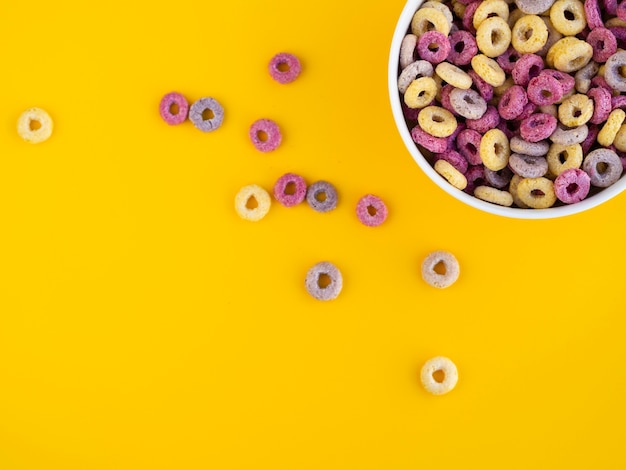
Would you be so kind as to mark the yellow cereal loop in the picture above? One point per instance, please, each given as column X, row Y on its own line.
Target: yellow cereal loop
column 607, row 134
column 441, row 7
column 427, row 19
column 420, row 92
column 493, row 36
column 453, row 75
column 488, row 69
column 569, row 54
column 34, row 125
column 494, row 149
column 513, row 190
column 563, row 157
column 568, row 17
column 575, row 110
column 494, row 196
column 458, row 8
column 252, row 202
column 620, row 139
column 487, row 9
column 529, row 34
column 536, row 193
column 437, row 121
column 614, row 22
column 451, row 174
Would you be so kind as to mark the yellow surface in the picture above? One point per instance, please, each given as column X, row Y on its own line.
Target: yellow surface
column 143, row 325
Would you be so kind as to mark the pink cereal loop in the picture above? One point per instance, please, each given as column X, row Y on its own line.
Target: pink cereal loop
column 603, row 42
column 371, row 210
column 265, row 135
column 284, row 67
column 592, row 12
column 429, row 142
column 572, row 185
column 441, row 48
column 602, row 105
column 286, row 197
column 168, row 103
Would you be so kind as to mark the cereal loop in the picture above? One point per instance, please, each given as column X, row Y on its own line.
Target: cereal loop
column 462, row 48
column 535, row 149
column 489, row 8
column 537, row 127
column 568, row 17
column 322, row 196
column 493, row 36
column 430, row 142
column 488, row 69
column 572, row 186
column 575, row 110
column 437, row 121
column 443, row 365
column 513, row 190
column 603, row 42
column 495, row 150
column 371, row 210
column 252, row 203
column 265, row 135
column 174, row 108
column 449, row 264
column 468, row 103
column 427, row 19
column 413, row 71
column 620, row 139
column 323, row 281
column 614, row 72
column 529, row 34
column 528, row 166
column 536, row 193
column 453, row 75
column 290, row 189
column 534, row 7
column 451, row 174
column 603, row 166
column 420, row 93
column 206, row 114
column 569, row 54
column 433, row 47
column 284, row 67
column 494, row 196
column 563, row 157
column 607, row 134
column 34, row 125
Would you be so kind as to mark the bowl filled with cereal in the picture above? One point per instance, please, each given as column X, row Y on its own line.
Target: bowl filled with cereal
column 514, row 107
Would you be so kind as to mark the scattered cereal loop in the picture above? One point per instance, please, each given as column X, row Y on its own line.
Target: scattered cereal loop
column 442, row 365
column 206, row 114
column 284, row 67
column 290, row 189
column 265, row 135
column 371, row 210
column 252, row 202
column 324, row 281
column 34, row 125
column 451, row 269
column 322, row 196
column 174, row 108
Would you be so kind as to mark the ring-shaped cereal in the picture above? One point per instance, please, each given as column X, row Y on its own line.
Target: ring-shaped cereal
column 427, row 19
column 575, row 110
column 498, row 179
column 420, row 93
column 603, row 166
column 607, row 134
column 252, row 202
column 429, row 142
column 489, row 8
column 407, row 50
column 290, row 189
column 620, row 139
column 441, row 7
column 602, row 104
column 322, row 196
column 468, row 145
column 265, row 135
column 526, row 68
column 563, row 157
column 572, row 186
column 603, row 42
column 468, row 103
column 537, row 193
column 284, row 67
column 593, row 14
column 34, row 125
column 494, row 196
column 442, row 365
column 495, row 150
column 371, row 210
column 513, row 191
column 413, row 71
column 534, row 7
column 433, row 47
column 449, row 264
column 323, row 281
column 568, row 17
column 569, row 54
column 462, row 47
column 529, row 34
column 537, row 127
column 534, row 149
column 512, row 102
column 569, row 136
column 453, row 75
column 544, row 90
column 566, row 80
column 451, row 174
column 475, row 177
column 174, row 108
column 528, row 166
column 437, row 121
column 214, row 118
column 613, row 71
column 493, row 36
column 488, row 69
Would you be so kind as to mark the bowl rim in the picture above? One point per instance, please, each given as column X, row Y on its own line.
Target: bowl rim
column 402, row 27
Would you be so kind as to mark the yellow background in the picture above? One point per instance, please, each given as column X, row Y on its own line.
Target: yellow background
column 144, row 325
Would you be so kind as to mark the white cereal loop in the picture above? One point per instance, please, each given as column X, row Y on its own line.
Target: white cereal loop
column 407, row 50
column 447, row 368
column 34, row 125
column 450, row 266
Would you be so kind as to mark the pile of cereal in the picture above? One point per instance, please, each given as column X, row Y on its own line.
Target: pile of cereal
column 518, row 103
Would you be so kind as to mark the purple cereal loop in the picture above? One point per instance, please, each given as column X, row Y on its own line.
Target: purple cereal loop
column 485, row 90
column 610, row 6
column 429, row 142
column 468, row 103
column 281, row 188
column 284, row 60
column 603, row 42
column 544, row 90
column 371, row 210
column 436, row 54
column 462, row 48
column 451, row 139
column 265, row 135
column 528, row 66
column 454, row 158
column 487, row 121
column 197, row 110
column 475, row 177
column 468, row 144
column 537, row 127
column 612, row 71
column 621, row 11
column 592, row 12
column 618, row 101
column 468, row 16
column 166, row 105
column 592, row 134
column 512, row 102
column 528, row 166
column 325, row 204
column 620, row 35
column 410, row 114
column 445, row 98
column 603, row 166
column 528, row 110
column 602, row 105
column 533, row 149
column 507, row 60
column 572, row 185
column 498, row 179
column 566, row 80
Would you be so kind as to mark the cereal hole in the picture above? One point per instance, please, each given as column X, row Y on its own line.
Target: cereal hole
column 537, row 193
column 479, row 182
column 498, row 148
column 290, row 189
column 546, row 93
column 437, row 118
column 601, row 45
column 323, row 280
column 207, row 114
column 282, row 67
column 252, row 203
column 572, row 188
column 528, row 34
column 433, row 47
column 459, row 46
column 439, row 376
column 496, row 36
column 174, row 109
column 601, row 167
column 563, row 156
column 320, row 196
column 471, row 148
column 622, row 71
column 421, row 93
column 577, row 112
column 261, row 135
column 34, row 125
column 577, row 62
column 440, row 268
column 569, row 15
column 468, row 99
column 492, row 14
column 371, row 210
column 534, row 71
column 430, row 26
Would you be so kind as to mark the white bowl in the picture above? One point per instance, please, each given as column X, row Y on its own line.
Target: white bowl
column 402, row 28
